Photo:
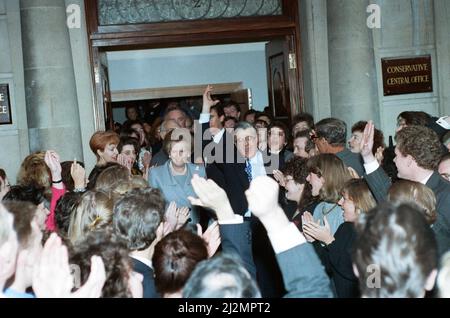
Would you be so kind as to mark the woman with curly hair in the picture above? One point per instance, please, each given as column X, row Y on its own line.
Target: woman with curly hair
column 121, row 281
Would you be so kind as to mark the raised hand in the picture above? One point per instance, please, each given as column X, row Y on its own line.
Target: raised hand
column 78, row 174
column 211, row 237
column 124, row 161
column 52, row 277
column 51, row 159
column 262, row 197
column 366, row 144
column 320, row 233
column 210, row 195
column 279, row 176
column 208, row 102
column 146, row 160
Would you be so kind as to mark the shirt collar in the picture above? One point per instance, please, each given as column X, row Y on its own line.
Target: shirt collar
column 217, row 137
column 425, row 180
column 144, row 260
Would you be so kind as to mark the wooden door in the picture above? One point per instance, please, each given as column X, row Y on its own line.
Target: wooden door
column 281, row 63
column 104, row 114
column 244, row 98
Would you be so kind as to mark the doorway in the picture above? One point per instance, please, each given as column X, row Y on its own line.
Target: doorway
column 284, row 81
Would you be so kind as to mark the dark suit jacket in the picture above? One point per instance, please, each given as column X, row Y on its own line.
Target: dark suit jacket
column 237, row 239
column 379, row 184
column 303, row 273
column 148, row 282
column 227, row 169
column 353, row 160
column 340, row 260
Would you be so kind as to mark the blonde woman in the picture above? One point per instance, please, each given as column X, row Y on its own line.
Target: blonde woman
column 405, row 191
column 94, row 212
column 336, row 254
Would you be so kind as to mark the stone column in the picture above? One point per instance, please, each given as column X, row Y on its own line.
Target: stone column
column 442, row 27
column 314, row 40
column 353, row 79
column 50, row 88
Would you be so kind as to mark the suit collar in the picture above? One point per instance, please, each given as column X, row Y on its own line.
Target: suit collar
column 434, row 180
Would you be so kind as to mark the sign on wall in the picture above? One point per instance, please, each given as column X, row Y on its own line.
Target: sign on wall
column 5, row 105
column 407, row 75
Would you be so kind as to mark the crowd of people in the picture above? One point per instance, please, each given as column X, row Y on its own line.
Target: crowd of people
column 234, row 205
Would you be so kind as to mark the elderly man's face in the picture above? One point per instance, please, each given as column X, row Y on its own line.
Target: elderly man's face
column 247, row 142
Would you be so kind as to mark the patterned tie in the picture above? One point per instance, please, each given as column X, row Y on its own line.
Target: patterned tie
column 248, row 169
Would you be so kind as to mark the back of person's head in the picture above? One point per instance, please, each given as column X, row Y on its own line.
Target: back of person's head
column 222, row 276
column 333, row 130
column 411, row 118
column 406, row 191
column 24, row 213
column 65, row 207
column 358, row 191
column 25, row 193
column 422, row 144
column 137, row 216
column 34, row 172
column 443, row 280
column 101, row 139
column 111, row 178
column 93, row 176
column 114, row 253
column 174, row 259
column 66, row 175
column 93, row 212
column 334, row 172
column 395, row 254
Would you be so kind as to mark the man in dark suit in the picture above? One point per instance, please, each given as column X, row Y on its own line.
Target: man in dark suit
column 137, row 218
column 237, row 161
column 418, row 152
column 330, row 137
column 303, row 273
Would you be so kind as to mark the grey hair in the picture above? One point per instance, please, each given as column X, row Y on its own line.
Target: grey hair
column 223, row 276
column 333, row 130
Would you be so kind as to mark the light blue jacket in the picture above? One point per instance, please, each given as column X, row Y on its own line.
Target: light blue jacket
column 162, row 178
column 333, row 212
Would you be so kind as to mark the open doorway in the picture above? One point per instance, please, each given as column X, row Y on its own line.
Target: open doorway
column 150, row 79
column 283, row 75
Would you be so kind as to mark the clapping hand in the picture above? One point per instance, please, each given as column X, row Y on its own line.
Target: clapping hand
column 78, row 174
column 211, row 237
column 320, row 233
column 306, row 219
column 52, row 276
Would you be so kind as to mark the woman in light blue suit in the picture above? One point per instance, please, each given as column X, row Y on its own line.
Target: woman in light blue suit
column 174, row 177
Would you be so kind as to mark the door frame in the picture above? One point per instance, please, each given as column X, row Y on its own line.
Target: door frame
column 191, row 33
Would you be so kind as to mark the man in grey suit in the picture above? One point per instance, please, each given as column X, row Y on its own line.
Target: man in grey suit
column 330, row 137
column 418, row 152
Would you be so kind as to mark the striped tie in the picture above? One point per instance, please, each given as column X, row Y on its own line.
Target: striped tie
column 248, row 169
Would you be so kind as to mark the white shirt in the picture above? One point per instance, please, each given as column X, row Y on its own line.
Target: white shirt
column 144, row 260
column 204, row 118
column 257, row 163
